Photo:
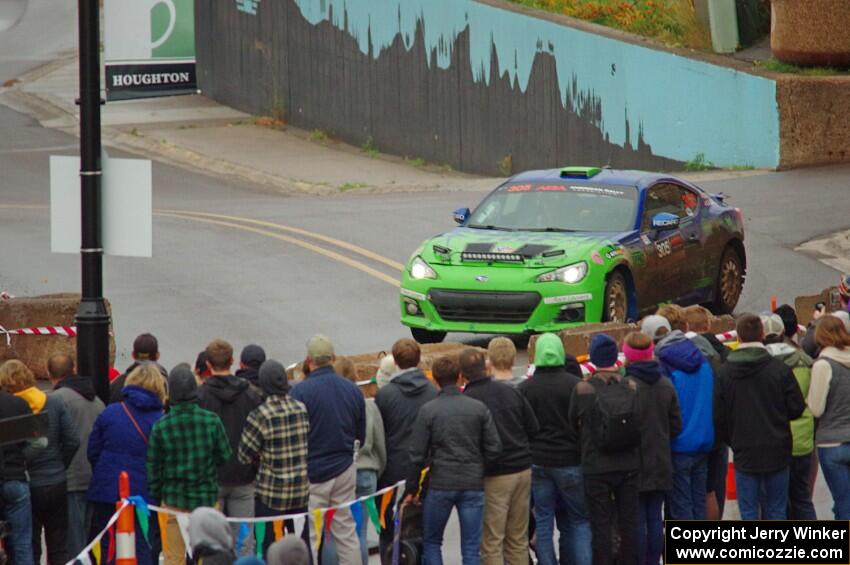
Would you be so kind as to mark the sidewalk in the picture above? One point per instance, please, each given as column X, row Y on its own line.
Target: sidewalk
column 202, row 135
column 197, row 133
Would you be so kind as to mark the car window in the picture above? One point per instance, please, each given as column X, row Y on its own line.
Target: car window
column 669, row 198
column 559, row 205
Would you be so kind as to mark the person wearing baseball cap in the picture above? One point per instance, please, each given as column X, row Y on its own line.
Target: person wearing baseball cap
column 655, row 327
column 337, row 414
column 800, row 505
column 250, row 359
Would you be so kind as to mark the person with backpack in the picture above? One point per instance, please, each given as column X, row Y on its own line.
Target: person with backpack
column 682, row 362
column 658, row 411
column 800, row 505
column 604, row 412
column 758, row 397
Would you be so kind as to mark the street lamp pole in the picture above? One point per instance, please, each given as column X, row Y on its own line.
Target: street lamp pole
column 92, row 316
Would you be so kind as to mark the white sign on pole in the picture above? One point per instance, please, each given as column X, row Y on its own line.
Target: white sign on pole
column 126, row 206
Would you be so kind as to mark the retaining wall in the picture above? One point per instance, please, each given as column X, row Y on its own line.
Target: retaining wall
column 484, row 86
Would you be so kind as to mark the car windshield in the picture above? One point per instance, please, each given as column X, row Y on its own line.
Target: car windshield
column 558, row 206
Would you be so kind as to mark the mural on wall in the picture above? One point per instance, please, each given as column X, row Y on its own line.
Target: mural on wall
column 485, row 89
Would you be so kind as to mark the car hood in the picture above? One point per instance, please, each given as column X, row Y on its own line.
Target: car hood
column 537, row 248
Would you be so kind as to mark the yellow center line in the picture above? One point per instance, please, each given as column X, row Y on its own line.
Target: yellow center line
column 216, row 219
column 327, row 239
column 309, row 246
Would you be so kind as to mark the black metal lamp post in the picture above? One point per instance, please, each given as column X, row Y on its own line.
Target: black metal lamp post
column 92, row 316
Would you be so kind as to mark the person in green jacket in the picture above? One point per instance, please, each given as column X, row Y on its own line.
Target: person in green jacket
column 800, row 505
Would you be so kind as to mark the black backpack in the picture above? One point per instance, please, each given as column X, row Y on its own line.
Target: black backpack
column 614, row 417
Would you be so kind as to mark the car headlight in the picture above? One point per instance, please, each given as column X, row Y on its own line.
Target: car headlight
column 570, row 274
column 419, row 270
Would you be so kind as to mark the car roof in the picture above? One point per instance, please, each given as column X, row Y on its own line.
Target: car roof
column 618, row 177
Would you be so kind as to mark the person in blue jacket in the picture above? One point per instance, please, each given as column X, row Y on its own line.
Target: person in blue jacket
column 119, row 442
column 683, row 363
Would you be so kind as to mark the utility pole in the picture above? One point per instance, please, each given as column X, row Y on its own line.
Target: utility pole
column 92, row 316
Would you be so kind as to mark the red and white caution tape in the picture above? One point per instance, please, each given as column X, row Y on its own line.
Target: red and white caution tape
column 67, row 331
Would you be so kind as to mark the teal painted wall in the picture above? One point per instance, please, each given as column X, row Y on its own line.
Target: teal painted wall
column 682, row 106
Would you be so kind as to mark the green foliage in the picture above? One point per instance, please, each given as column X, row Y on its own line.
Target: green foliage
column 506, row 165
column 319, row 136
column 672, row 22
column 698, row 163
column 418, row 162
column 369, row 147
column 777, row 66
column 352, row 186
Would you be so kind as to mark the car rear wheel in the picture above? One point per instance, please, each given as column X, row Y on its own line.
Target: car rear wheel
column 730, row 282
column 427, row 336
column 616, row 304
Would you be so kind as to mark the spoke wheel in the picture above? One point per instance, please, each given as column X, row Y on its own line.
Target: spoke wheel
column 616, row 306
column 730, row 283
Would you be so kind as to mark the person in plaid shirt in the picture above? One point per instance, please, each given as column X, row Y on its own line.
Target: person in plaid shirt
column 275, row 438
column 185, row 450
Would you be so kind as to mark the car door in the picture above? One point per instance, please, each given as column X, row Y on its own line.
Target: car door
column 694, row 267
column 665, row 249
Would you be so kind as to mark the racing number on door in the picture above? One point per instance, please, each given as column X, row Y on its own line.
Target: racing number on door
column 663, row 248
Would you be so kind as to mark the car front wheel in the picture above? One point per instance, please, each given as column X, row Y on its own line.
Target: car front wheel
column 616, row 305
column 427, row 336
column 730, row 282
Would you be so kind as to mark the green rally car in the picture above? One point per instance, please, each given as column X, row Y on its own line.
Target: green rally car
column 557, row 248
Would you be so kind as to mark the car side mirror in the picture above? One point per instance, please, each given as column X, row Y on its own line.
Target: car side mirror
column 461, row 215
column 665, row 221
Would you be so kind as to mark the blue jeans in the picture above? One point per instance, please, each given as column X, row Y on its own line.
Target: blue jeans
column 687, row 499
column 650, row 526
column 436, row 510
column 367, row 483
column 548, row 484
column 835, row 462
column 78, row 522
column 15, row 499
column 765, row 491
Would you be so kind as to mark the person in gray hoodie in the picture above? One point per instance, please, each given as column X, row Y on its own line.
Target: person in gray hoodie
column 210, row 537
column 399, row 402
column 83, row 407
column 829, row 401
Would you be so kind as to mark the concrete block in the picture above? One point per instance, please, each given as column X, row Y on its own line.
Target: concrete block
column 811, row 32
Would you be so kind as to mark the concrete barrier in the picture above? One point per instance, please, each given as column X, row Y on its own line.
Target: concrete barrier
column 40, row 311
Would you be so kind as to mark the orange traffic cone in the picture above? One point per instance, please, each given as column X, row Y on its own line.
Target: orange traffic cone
column 730, row 509
column 125, row 527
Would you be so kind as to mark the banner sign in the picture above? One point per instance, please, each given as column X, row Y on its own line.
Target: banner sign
column 149, row 48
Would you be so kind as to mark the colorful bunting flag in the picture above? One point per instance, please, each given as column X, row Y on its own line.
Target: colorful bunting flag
column 244, row 530
column 183, row 524
column 386, row 500
column 373, row 514
column 260, row 534
column 278, row 529
column 329, row 516
column 162, row 519
column 317, row 523
column 357, row 514
column 110, row 554
column 95, row 551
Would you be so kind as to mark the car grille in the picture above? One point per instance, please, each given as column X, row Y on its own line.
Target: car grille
column 485, row 307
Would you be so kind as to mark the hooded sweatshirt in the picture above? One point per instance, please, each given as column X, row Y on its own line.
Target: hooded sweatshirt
column 758, row 397
column 84, row 408
column 548, row 393
column 681, row 361
column 232, row 399
column 211, row 538
column 803, row 428
column 829, row 396
column 47, row 466
column 399, row 402
column 660, row 421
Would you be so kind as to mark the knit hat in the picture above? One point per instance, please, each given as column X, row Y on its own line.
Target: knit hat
column 844, row 317
column 252, row 356
column 603, row 351
column 386, row 370
column 273, row 378
column 548, row 351
column 182, row 386
column 773, row 325
column 651, row 324
column 291, row 550
column 209, row 530
column 789, row 319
